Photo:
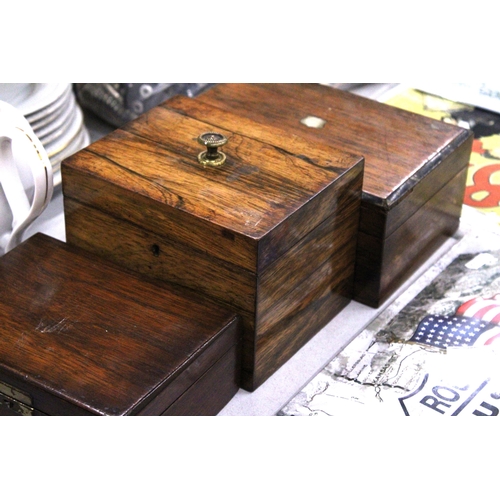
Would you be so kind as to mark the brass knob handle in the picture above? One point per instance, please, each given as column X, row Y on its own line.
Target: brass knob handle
column 212, row 141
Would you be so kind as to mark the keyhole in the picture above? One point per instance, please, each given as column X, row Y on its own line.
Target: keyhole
column 155, row 249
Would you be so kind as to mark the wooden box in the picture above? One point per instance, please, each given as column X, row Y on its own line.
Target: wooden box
column 270, row 234
column 81, row 336
column 415, row 169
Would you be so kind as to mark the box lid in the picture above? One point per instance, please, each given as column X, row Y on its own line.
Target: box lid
column 268, row 180
column 80, row 335
column 400, row 148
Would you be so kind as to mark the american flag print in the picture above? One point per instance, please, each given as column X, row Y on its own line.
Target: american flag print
column 455, row 331
column 487, row 309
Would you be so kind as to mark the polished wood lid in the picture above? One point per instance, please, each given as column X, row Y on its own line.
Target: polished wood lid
column 81, row 335
column 265, row 178
column 271, row 191
column 400, row 148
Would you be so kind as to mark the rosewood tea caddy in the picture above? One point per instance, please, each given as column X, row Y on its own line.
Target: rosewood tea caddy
column 259, row 221
column 82, row 336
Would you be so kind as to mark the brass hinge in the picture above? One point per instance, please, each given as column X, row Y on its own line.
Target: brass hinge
column 15, row 401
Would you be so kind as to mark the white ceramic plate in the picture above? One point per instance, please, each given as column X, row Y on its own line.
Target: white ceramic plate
column 45, row 115
column 68, row 135
column 60, row 126
column 33, row 97
column 80, row 142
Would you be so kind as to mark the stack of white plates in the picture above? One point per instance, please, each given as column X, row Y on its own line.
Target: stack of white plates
column 54, row 115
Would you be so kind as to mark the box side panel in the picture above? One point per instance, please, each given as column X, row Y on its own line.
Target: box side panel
column 248, row 350
column 81, row 185
column 297, row 317
column 372, row 219
column 382, row 222
column 307, row 287
column 383, row 265
column 39, row 400
column 328, row 241
column 211, row 393
column 225, row 345
column 157, row 256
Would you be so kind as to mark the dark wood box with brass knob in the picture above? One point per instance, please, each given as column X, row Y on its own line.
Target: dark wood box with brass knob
column 269, row 233
column 415, row 169
column 82, row 336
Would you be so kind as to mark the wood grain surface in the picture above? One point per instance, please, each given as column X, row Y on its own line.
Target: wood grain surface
column 409, row 159
column 382, row 265
column 398, row 146
column 83, row 336
column 247, row 235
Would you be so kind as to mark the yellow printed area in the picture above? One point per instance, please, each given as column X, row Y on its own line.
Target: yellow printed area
column 483, row 175
column 425, row 104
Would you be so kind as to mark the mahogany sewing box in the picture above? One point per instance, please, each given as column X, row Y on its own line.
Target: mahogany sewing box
column 82, row 336
column 414, row 178
column 269, row 231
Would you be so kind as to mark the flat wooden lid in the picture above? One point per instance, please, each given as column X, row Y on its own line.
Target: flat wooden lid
column 267, row 175
column 93, row 335
column 399, row 147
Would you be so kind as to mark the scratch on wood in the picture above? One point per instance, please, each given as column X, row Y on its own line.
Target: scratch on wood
column 47, row 327
column 20, row 340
